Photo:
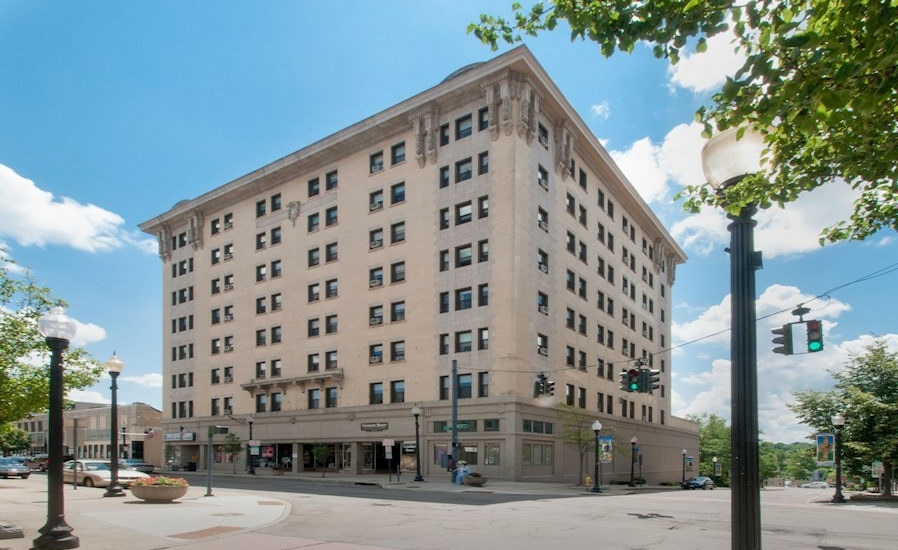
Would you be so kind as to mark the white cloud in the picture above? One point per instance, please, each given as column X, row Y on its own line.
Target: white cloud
column 33, row 217
column 88, row 396
column 702, row 72
column 88, row 333
column 778, row 376
column 149, row 380
column 601, row 110
column 794, row 229
column 651, row 167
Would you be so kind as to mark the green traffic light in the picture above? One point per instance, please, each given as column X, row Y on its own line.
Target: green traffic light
column 815, row 346
column 634, row 386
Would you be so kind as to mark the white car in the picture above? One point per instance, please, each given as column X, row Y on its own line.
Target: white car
column 815, row 485
column 97, row 473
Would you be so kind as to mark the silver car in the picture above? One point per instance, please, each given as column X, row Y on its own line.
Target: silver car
column 10, row 468
column 97, row 473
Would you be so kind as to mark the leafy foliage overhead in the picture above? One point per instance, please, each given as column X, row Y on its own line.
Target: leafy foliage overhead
column 24, row 356
column 820, row 80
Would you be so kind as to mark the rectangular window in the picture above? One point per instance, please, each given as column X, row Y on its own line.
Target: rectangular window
column 444, row 134
column 330, row 252
column 463, row 256
column 463, row 127
column 463, row 341
column 397, row 272
column 397, row 153
column 444, row 177
column 314, row 292
column 483, row 390
column 483, row 163
column 397, row 391
column 397, row 232
column 375, row 393
column 465, row 382
column 375, row 200
column 314, row 257
column 275, row 236
column 331, row 216
column 260, row 208
column 397, row 193
column 483, row 207
column 313, row 362
column 314, row 221
column 483, row 294
column 376, row 162
column 314, row 399
column 463, row 213
column 331, row 180
column 330, row 398
column 331, row 324
column 314, row 327
column 331, row 288
column 483, row 118
column 463, row 298
column 397, row 312
column 314, row 187
column 397, row 351
column 463, row 170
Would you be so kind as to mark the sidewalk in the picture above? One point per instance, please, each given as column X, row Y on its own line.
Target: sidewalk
column 224, row 521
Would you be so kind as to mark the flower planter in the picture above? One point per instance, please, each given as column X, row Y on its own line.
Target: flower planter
column 158, row 493
column 473, row 481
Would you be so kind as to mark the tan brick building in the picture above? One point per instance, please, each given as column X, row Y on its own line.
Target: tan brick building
column 327, row 293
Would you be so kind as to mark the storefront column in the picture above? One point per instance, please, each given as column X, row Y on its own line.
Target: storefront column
column 356, row 449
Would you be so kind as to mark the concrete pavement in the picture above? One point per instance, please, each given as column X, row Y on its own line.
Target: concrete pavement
column 224, row 521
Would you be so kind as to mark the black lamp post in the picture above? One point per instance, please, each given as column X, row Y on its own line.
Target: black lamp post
column 114, row 367
column 596, row 485
column 683, row 452
column 416, row 411
column 714, row 475
column 838, row 422
column 249, row 451
column 726, row 160
column 633, row 441
column 56, row 534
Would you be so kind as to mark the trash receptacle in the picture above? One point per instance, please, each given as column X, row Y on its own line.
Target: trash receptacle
column 191, row 466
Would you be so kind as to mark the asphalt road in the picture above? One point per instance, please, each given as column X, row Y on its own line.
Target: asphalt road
column 688, row 520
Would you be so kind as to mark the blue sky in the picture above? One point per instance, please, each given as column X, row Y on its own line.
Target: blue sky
column 111, row 112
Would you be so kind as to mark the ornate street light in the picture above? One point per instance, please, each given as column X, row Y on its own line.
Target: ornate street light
column 838, row 423
column 683, row 452
column 726, row 160
column 633, row 441
column 714, row 475
column 596, row 485
column 416, row 411
column 114, row 367
column 56, row 534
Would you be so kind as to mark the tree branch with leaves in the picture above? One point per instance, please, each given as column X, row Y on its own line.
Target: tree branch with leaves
column 820, row 80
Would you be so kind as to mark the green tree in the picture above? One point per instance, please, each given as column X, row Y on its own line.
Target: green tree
column 714, row 441
column 233, row 447
column 577, row 432
column 866, row 393
column 769, row 460
column 320, row 453
column 800, row 461
column 820, row 79
column 24, row 356
column 13, row 439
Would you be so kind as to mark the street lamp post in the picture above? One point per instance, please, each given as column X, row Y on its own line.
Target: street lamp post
column 726, row 160
column 249, row 451
column 56, row 534
column 114, row 367
column 633, row 441
column 714, row 475
column 596, row 485
column 838, row 423
column 416, row 411
column 683, row 452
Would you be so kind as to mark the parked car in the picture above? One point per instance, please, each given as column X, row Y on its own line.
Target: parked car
column 137, row 464
column 97, row 473
column 698, row 482
column 10, row 467
column 38, row 462
column 815, row 485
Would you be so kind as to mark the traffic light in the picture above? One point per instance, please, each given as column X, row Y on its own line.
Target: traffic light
column 651, row 380
column 550, row 387
column 815, row 336
column 539, row 387
column 630, row 380
column 784, row 339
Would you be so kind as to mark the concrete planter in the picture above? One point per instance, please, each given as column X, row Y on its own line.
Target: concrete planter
column 158, row 493
column 478, row 481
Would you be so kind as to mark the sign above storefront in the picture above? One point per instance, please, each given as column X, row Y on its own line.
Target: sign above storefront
column 374, row 426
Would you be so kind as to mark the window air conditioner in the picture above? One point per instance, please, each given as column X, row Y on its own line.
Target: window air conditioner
column 543, row 351
column 375, row 359
column 544, row 310
column 375, row 282
column 375, row 321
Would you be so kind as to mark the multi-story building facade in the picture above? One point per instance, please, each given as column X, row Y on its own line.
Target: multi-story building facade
column 324, row 295
column 87, row 433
